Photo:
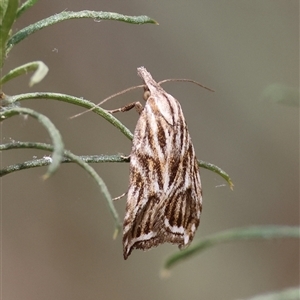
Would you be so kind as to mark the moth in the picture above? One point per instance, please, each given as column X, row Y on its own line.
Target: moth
column 164, row 199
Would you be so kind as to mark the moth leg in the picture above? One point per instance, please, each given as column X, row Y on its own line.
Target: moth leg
column 138, row 106
column 119, row 197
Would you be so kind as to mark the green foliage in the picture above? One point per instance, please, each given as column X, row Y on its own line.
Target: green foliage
column 39, row 68
column 40, row 71
column 237, row 234
column 9, row 12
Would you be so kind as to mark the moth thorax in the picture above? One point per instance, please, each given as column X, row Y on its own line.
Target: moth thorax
column 146, row 94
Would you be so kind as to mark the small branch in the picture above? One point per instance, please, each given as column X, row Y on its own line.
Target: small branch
column 45, row 161
column 87, row 158
column 238, row 234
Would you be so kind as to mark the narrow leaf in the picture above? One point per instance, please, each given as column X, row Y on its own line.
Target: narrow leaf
column 27, row 4
column 238, row 234
column 39, row 67
column 8, row 13
column 216, row 169
column 67, row 15
column 53, row 132
column 286, row 294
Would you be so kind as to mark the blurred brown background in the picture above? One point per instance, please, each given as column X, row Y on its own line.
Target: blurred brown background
column 57, row 234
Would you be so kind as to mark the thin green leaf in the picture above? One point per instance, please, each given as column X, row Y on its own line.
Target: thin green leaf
column 282, row 94
column 67, row 15
column 25, row 6
column 238, row 234
column 286, row 294
column 53, row 132
column 8, row 11
column 39, row 67
column 3, row 7
column 42, row 162
column 77, row 101
column 68, row 157
column 216, row 169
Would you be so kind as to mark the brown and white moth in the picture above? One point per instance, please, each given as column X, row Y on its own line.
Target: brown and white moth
column 164, row 197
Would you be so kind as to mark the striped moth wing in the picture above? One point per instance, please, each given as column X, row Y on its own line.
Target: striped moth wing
column 164, row 198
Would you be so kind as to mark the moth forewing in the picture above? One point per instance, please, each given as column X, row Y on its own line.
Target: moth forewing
column 164, row 198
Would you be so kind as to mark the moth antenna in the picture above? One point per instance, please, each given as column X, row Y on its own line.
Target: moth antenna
column 106, row 99
column 120, row 93
column 187, row 80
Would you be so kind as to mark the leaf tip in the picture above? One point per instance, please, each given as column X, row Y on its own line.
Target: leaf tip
column 116, row 232
column 46, row 176
column 164, row 273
